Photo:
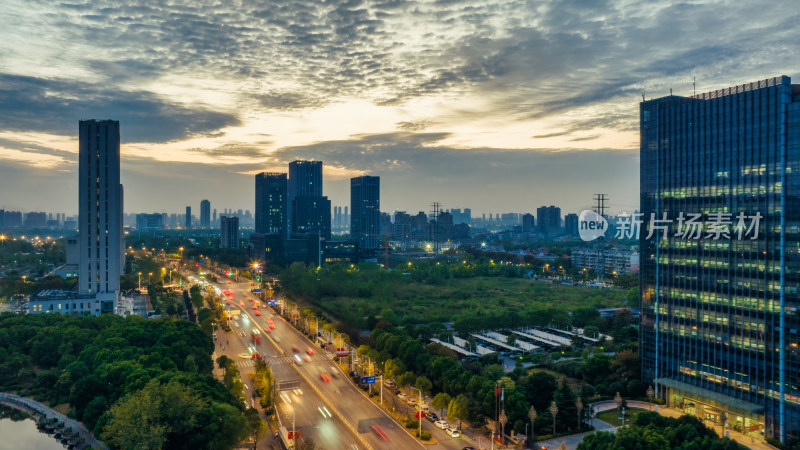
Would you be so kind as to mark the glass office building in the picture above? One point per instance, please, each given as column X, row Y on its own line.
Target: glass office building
column 720, row 325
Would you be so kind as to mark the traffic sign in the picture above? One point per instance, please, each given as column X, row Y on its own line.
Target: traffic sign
column 367, row 380
column 256, row 291
column 341, row 351
column 294, row 434
column 419, row 414
column 272, row 302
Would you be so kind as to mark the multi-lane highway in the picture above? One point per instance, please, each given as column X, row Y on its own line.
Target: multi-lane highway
column 327, row 408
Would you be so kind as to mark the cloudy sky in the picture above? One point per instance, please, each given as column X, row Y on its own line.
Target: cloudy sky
column 497, row 105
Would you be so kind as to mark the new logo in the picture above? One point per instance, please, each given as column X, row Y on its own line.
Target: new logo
column 591, row 225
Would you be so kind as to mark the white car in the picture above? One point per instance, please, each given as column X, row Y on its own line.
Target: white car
column 442, row 424
column 452, row 432
column 402, row 396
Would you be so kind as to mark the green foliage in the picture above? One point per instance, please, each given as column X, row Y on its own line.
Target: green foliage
column 652, row 431
column 425, row 435
column 458, row 409
column 473, row 295
column 115, row 372
column 423, row 384
column 441, row 401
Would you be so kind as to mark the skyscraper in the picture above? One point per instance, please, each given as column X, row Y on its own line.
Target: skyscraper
column 720, row 326
column 205, row 214
column 188, row 218
column 309, row 211
column 229, row 232
column 100, row 211
column 365, row 204
column 272, row 203
column 548, row 219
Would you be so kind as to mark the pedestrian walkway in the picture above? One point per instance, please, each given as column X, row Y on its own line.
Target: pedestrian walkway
column 37, row 409
column 275, row 360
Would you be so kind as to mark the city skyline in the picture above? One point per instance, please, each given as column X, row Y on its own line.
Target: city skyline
column 467, row 100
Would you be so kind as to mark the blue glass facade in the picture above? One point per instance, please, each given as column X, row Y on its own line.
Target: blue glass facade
column 719, row 334
column 365, row 206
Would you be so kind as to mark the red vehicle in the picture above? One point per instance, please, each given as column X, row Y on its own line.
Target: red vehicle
column 256, row 339
column 325, row 377
column 272, row 326
column 255, row 306
column 250, row 299
column 258, row 313
column 309, row 350
column 295, row 349
column 267, row 330
column 241, row 303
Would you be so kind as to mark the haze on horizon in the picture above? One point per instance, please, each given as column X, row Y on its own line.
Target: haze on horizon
column 495, row 105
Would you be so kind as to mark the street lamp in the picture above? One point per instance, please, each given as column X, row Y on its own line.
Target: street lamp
column 419, row 419
column 554, row 412
column 149, row 274
column 579, row 405
column 140, row 281
column 532, row 416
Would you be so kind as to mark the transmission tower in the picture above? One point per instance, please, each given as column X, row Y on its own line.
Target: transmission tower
column 435, row 209
column 601, row 200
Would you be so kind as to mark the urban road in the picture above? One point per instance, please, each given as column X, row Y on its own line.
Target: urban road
column 326, row 406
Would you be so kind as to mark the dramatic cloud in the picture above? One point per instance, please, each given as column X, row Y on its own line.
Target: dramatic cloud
column 465, row 97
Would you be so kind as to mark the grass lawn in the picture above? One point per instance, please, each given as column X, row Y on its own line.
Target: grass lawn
column 612, row 417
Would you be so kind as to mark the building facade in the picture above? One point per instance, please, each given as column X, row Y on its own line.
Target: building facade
column 272, row 203
column 147, row 222
column 188, row 218
column 229, row 232
column 548, row 219
column 205, row 214
column 365, row 216
column 100, row 211
column 720, row 328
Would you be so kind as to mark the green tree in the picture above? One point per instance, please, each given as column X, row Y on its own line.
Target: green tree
column 440, row 402
column 406, row 379
column 600, row 440
column 424, row 385
column 157, row 411
column 458, row 408
column 394, row 367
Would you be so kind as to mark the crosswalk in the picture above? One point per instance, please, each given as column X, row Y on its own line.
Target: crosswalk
column 286, row 359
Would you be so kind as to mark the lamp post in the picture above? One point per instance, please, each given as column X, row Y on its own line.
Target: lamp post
column 140, row 281
column 554, row 412
column 650, row 395
column 503, row 421
column 579, row 405
column 419, row 419
column 149, row 274
column 532, row 416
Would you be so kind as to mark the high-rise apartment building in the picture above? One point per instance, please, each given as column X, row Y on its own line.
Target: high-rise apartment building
column 549, row 220
column 528, row 223
column 229, row 232
column 309, row 211
column 100, row 211
column 272, row 203
column 365, row 206
column 188, row 218
column 571, row 225
column 205, row 214
column 720, row 308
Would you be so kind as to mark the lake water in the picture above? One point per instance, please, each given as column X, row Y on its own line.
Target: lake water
column 15, row 435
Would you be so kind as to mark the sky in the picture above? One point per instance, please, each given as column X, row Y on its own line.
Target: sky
column 495, row 105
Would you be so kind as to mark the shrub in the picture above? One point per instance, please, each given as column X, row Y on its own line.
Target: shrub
column 411, row 423
column 426, row 435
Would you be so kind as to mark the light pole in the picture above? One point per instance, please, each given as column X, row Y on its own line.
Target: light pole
column 579, row 405
column 140, row 281
column 554, row 412
column 149, row 274
column 419, row 419
column 532, row 416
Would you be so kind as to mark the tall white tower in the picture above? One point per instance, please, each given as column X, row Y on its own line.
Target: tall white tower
column 100, row 211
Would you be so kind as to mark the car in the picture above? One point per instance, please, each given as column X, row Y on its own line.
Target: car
column 297, row 359
column 432, row 417
column 258, row 313
column 241, row 303
column 309, row 350
column 215, row 336
column 244, row 356
column 307, row 358
column 255, row 307
column 272, row 326
column 295, row 349
column 411, row 402
column 402, row 396
column 452, row 432
column 250, row 299
column 442, row 424
column 325, row 377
